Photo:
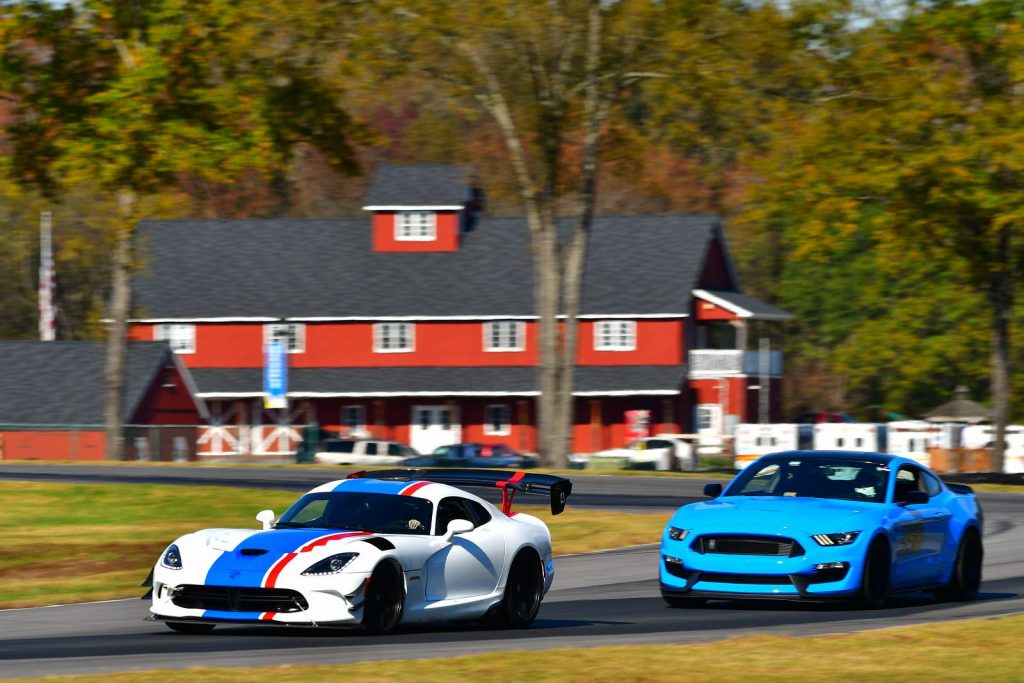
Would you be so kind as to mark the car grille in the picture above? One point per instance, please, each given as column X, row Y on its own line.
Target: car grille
column 749, row 579
column 229, row 599
column 725, row 544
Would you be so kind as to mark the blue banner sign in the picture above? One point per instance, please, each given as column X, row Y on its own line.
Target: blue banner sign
column 275, row 375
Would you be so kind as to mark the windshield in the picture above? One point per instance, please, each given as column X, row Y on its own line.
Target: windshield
column 814, row 478
column 340, row 446
column 383, row 513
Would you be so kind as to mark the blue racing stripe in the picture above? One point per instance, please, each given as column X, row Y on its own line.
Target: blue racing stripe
column 371, row 486
column 235, row 569
column 239, row 616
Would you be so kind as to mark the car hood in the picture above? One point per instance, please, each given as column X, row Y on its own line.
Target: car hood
column 776, row 514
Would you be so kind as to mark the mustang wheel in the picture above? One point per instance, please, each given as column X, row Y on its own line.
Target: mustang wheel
column 192, row 629
column 522, row 591
column 966, row 579
column 385, row 599
column 874, row 584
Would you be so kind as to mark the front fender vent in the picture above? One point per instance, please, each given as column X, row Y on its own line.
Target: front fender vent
column 379, row 543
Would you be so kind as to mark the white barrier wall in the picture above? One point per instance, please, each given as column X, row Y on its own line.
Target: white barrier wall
column 982, row 436
column 754, row 440
column 912, row 438
column 849, row 436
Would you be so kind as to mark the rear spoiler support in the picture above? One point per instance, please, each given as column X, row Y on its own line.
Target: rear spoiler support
column 556, row 488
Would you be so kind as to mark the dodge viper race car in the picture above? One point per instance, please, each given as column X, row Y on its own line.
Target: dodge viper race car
column 825, row 525
column 378, row 549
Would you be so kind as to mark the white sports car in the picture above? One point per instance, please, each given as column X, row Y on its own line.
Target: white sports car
column 378, row 549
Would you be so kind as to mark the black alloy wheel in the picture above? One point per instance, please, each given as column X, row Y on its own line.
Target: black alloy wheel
column 385, row 600
column 966, row 579
column 874, row 584
column 523, row 591
column 191, row 629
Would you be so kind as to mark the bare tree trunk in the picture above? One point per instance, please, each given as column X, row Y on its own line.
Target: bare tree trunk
column 120, row 298
column 1001, row 297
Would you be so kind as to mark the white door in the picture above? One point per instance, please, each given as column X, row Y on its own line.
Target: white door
column 709, row 428
column 472, row 563
column 433, row 426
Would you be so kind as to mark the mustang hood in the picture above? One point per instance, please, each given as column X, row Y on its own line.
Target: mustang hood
column 251, row 560
column 812, row 515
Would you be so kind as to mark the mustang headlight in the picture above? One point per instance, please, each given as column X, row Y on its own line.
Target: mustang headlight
column 845, row 538
column 331, row 565
column 677, row 534
column 171, row 558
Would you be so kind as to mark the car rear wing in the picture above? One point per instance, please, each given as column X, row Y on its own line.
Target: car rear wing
column 962, row 489
column 556, row 488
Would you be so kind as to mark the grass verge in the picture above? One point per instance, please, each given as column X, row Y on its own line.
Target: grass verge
column 78, row 542
column 978, row 650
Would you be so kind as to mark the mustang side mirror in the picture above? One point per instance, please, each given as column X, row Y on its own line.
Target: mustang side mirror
column 267, row 517
column 914, row 498
column 458, row 526
column 712, row 490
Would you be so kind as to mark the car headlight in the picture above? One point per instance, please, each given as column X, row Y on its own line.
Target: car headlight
column 845, row 538
column 331, row 565
column 171, row 558
column 677, row 534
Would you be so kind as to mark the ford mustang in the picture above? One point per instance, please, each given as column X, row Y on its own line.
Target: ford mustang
column 820, row 525
column 377, row 550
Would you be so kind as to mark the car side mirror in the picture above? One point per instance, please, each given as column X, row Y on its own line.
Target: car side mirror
column 712, row 490
column 267, row 517
column 458, row 526
column 914, row 498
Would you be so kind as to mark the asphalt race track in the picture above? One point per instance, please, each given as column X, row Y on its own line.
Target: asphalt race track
column 605, row 598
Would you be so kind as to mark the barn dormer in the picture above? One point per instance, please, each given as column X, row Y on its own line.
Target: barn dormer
column 421, row 207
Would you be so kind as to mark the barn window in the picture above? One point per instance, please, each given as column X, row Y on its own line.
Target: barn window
column 181, row 336
column 292, row 335
column 504, row 335
column 496, row 419
column 415, row 226
column 354, row 418
column 615, row 335
column 393, row 337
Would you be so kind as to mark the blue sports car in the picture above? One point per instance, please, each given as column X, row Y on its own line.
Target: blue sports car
column 819, row 525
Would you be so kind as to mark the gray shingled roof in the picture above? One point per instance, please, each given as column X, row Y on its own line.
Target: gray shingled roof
column 311, row 268
column 756, row 308
column 62, row 382
column 459, row 380
column 417, row 185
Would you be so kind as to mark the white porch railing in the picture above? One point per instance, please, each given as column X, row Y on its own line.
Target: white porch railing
column 729, row 362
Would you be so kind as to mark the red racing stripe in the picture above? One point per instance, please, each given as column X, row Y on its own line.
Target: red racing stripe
column 413, row 488
column 267, row 616
column 275, row 571
column 517, row 476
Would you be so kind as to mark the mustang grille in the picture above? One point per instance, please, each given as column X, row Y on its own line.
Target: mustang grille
column 229, row 599
column 750, row 579
column 747, row 545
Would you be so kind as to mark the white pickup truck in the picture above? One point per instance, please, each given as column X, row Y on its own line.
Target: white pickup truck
column 363, row 452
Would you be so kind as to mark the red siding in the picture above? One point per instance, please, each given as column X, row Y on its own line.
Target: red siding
column 609, row 431
column 709, row 311
column 447, row 233
column 55, row 445
column 167, row 402
column 658, row 342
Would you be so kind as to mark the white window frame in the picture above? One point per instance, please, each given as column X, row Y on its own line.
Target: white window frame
column 504, row 335
column 385, row 335
column 500, row 427
column 615, row 335
column 359, row 411
column 181, row 336
column 294, row 338
column 415, row 226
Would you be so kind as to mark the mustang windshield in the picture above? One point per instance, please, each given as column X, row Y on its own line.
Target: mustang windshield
column 377, row 512
column 814, row 478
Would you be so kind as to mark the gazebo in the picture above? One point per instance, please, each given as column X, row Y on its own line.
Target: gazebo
column 960, row 409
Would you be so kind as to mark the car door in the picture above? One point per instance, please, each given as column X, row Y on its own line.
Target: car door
column 919, row 532
column 471, row 564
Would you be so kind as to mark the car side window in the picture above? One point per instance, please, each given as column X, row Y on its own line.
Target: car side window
column 371, row 448
column 932, row 483
column 908, row 478
column 455, row 508
column 394, row 449
column 480, row 512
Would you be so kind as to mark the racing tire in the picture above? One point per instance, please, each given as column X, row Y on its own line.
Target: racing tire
column 190, row 629
column 385, row 599
column 966, row 579
column 678, row 602
column 523, row 591
column 874, row 583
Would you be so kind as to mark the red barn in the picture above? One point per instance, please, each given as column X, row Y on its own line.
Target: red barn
column 417, row 322
column 52, row 398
